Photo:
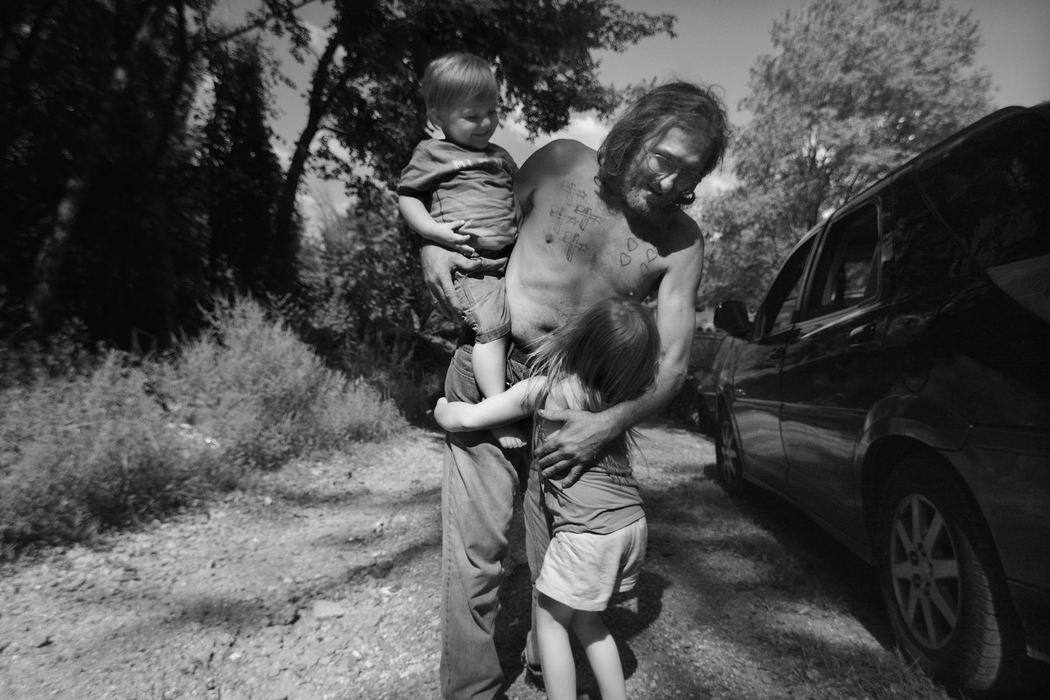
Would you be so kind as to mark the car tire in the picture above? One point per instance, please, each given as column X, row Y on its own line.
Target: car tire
column 941, row 582
column 727, row 458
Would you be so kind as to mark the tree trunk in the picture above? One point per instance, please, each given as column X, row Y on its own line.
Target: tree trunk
column 52, row 251
column 286, row 244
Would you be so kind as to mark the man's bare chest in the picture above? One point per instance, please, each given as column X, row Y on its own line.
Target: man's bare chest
column 575, row 229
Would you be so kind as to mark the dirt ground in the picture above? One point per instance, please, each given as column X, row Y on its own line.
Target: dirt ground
column 320, row 581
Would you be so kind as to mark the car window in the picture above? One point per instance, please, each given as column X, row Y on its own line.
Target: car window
column 847, row 272
column 992, row 191
column 778, row 309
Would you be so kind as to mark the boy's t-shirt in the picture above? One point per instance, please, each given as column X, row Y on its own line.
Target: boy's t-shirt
column 460, row 183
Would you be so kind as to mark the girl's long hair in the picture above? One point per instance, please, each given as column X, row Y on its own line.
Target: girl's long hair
column 611, row 351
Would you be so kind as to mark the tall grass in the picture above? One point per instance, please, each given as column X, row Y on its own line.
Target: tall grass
column 86, row 451
column 128, row 439
column 263, row 394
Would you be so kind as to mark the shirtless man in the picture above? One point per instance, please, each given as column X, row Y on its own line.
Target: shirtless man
column 596, row 225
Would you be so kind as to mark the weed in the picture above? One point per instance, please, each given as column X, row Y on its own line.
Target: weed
column 257, row 389
column 88, row 451
column 122, row 439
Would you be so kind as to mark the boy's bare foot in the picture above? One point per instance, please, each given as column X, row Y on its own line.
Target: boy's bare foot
column 509, row 438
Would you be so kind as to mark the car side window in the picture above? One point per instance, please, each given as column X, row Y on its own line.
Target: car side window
column 777, row 311
column 847, row 272
column 994, row 191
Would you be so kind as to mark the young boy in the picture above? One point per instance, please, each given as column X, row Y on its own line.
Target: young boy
column 458, row 191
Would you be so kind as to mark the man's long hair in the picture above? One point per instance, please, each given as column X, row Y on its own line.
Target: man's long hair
column 692, row 108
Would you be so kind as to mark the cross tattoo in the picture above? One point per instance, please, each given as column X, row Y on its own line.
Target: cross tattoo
column 572, row 244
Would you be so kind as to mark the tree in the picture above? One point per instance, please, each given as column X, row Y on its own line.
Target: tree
column 852, row 89
column 93, row 92
column 108, row 192
column 243, row 175
column 364, row 91
column 122, row 213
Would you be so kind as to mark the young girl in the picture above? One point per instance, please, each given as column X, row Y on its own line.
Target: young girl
column 458, row 191
column 598, row 529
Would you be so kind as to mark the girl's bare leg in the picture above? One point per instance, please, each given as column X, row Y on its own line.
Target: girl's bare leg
column 602, row 653
column 552, row 633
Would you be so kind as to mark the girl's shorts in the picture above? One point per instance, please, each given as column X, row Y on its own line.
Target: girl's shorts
column 583, row 570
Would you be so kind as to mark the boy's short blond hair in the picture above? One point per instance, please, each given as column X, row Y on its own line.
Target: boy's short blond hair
column 456, row 78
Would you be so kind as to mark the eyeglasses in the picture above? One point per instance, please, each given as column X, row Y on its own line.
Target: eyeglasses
column 662, row 166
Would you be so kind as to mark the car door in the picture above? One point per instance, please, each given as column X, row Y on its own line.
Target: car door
column 755, row 386
column 832, row 369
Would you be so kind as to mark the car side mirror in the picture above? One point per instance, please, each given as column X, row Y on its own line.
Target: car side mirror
column 731, row 317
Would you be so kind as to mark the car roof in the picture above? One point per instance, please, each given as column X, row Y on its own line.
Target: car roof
column 915, row 162
column 937, row 151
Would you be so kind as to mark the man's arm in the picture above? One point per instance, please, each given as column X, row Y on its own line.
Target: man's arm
column 584, row 434
column 438, row 263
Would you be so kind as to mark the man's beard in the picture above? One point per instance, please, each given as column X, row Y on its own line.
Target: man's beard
column 643, row 202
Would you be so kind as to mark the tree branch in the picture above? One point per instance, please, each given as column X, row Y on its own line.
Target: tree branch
column 252, row 25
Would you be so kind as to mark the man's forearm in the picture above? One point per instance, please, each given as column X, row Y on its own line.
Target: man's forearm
column 628, row 414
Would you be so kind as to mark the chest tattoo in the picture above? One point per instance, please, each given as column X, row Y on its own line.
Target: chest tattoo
column 632, row 252
column 571, row 215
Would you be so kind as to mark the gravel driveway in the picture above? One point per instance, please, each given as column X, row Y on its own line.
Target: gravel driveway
column 320, row 581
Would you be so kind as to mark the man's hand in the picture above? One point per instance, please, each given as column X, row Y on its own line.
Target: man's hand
column 438, row 264
column 572, row 448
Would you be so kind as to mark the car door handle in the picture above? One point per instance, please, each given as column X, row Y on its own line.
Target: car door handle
column 862, row 334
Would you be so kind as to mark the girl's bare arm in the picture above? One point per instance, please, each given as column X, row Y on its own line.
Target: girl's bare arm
column 517, row 402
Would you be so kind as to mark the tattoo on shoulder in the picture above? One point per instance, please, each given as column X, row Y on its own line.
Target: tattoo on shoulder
column 571, row 215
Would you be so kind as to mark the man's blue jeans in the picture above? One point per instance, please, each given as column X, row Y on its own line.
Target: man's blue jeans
column 479, row 484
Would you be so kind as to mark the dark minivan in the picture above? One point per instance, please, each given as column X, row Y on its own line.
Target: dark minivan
column 895, row 385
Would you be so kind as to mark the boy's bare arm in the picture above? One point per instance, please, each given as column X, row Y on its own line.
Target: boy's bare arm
column 419, row 219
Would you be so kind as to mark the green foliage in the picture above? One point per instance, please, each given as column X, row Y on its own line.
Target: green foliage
column 264, row 395
column 243, row 177
column 66, row 352
column 851, row 90
column 136, row 171
column 119, row 439
column 92, row 163
column 362, row 305
column 362, row 279
column 542, row 50
column 87, row 451
column 365, row 89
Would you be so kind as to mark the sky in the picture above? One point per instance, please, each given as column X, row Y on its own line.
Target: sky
column 717, row 43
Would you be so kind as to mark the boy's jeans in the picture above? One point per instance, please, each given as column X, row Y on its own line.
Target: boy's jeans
column 479, row 483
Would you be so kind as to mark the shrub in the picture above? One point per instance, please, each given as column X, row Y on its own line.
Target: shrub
column 87, row 451
column 262, row 393
column 25, row 359
column 411, row 375
column 120, row 439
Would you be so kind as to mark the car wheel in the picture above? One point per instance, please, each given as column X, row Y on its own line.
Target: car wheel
column 940, row 580
column 727, row 458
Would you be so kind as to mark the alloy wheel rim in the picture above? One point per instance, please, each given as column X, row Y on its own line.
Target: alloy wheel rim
column 730, row 463
column 924, row 572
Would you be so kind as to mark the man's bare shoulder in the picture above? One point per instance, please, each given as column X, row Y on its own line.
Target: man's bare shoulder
column 681, row 238
column 560, row 156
